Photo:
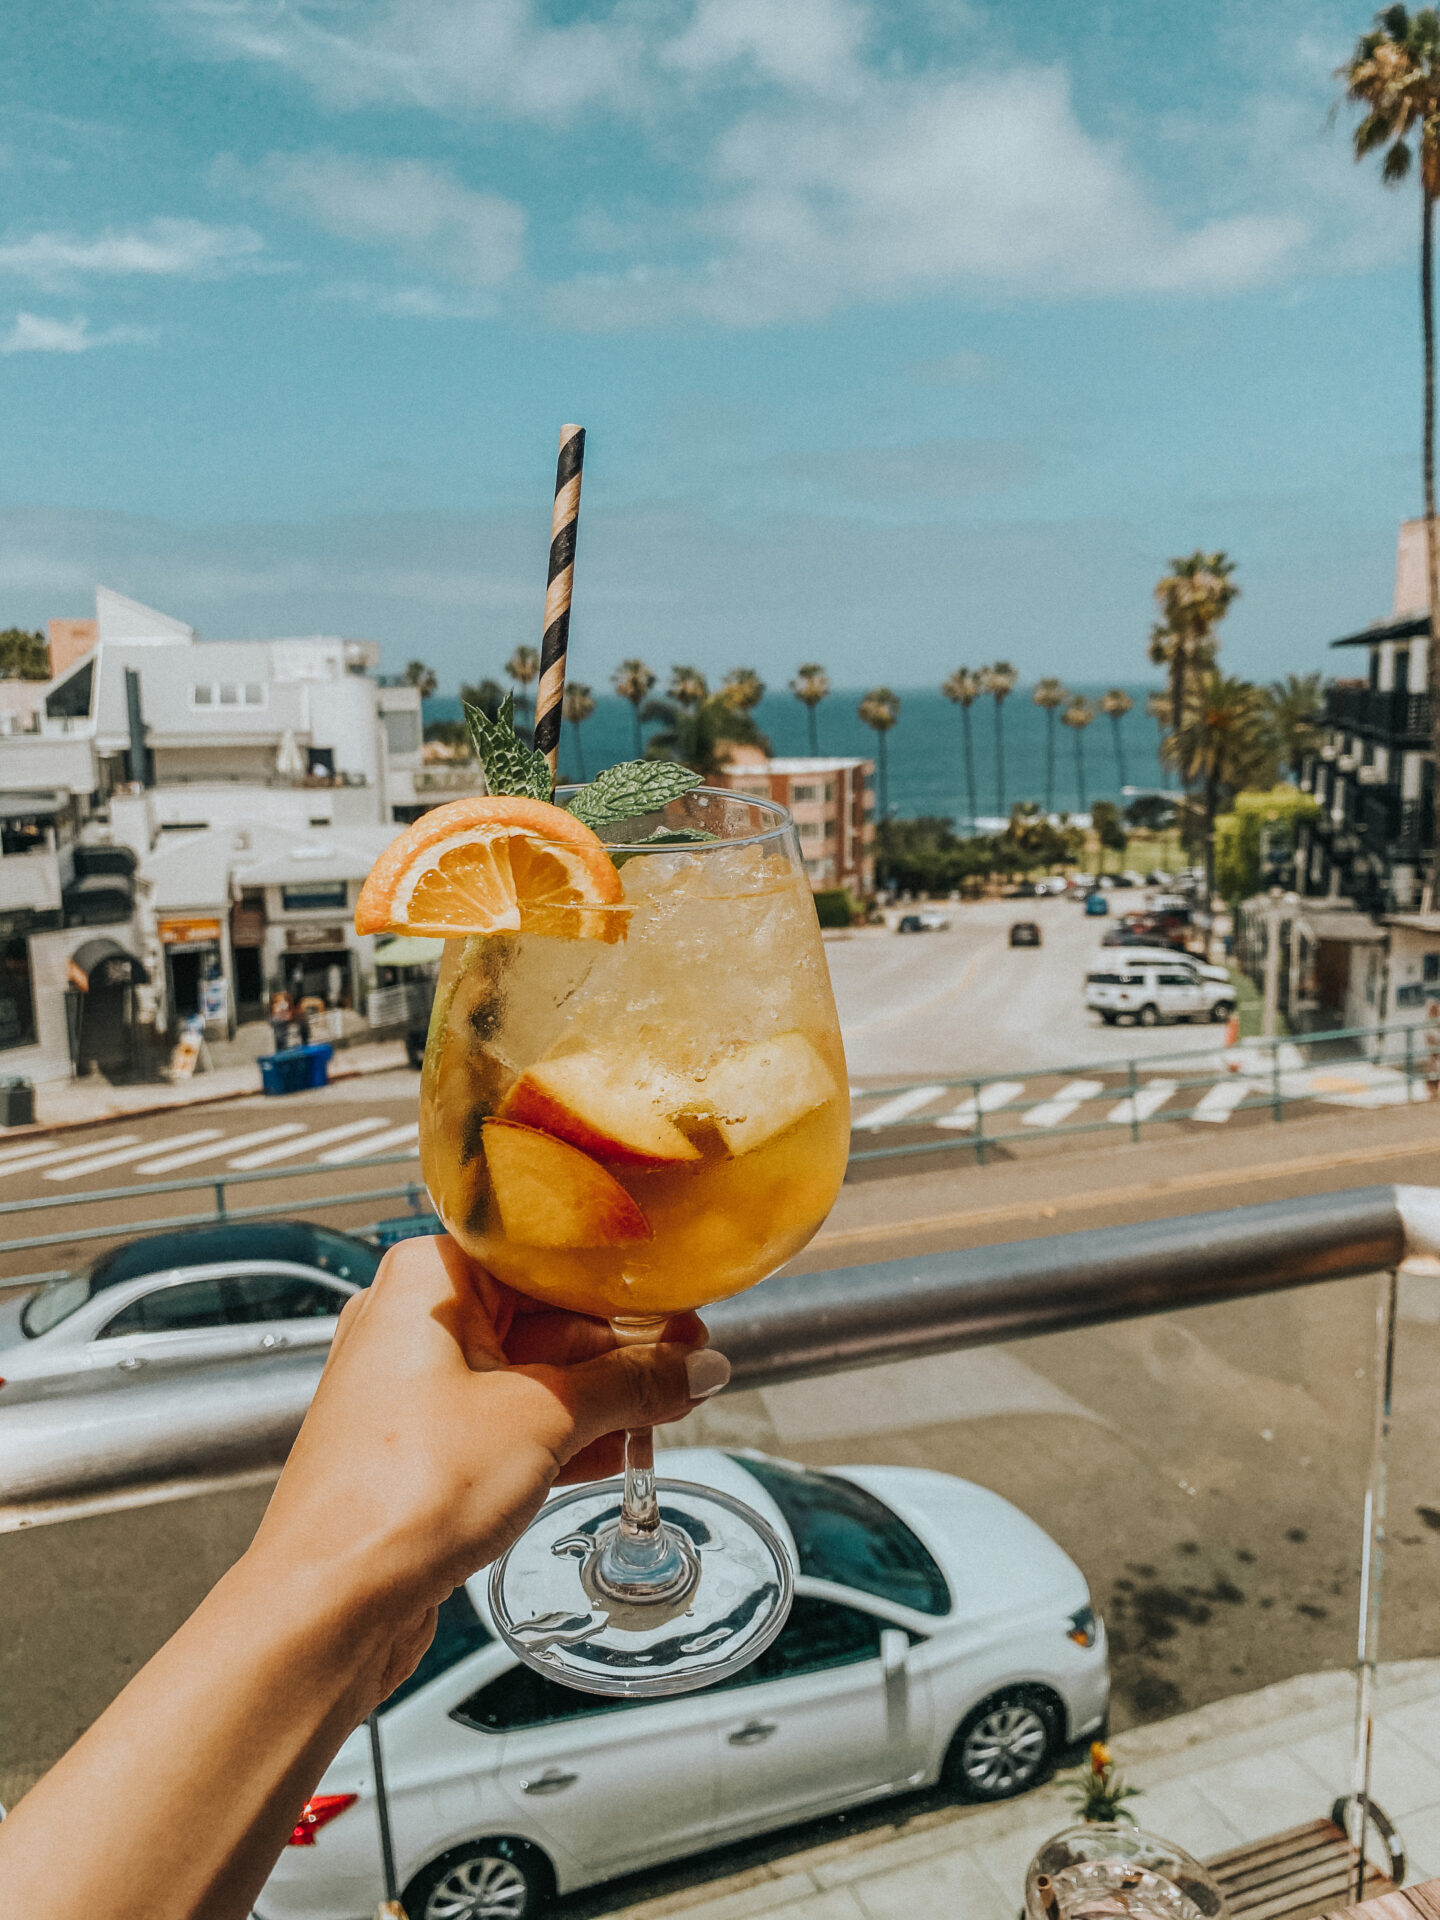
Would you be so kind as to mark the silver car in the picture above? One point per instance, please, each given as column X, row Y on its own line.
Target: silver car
column 171, row 1303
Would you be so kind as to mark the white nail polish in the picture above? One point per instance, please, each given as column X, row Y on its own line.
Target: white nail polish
column 706, row 1372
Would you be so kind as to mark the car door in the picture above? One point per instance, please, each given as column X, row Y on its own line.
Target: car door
column 1179, row 993
column 613, row 1783
column 281, row 1307
column 173, row 1325
column 812, row 1723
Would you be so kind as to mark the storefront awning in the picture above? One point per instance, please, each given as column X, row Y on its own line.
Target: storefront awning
column 409, row 951
column 104, row 963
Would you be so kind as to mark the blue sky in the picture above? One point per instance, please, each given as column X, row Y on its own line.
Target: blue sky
column 906, row 335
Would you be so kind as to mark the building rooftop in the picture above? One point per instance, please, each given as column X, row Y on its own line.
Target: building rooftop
column 207, row 869
column 822, row 764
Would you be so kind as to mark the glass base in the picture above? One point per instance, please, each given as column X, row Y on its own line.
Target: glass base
column 715, row 1594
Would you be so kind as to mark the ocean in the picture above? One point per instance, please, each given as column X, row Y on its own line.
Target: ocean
column 926, row 774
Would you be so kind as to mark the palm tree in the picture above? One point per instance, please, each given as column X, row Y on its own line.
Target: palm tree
column 577, row 705
column 879, row 710
column 1293, row 708
column 1157, row 705
column 700, row 733
column 1077, row 716
column 1048, row 695
column 688, row 687
column 999, row 682
column 963, row 687
column 417, row 674
column 1115, row 705
column 632, row 680
column 1222, row 743
column 810, row 686
column 485, row 694
column 523, row 666
column 1394, row 74
column 1194, row 597
column 742, row 689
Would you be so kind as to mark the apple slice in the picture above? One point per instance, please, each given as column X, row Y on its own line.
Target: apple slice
column 595, row 1103
column 766, row 1089
column 552, row 1195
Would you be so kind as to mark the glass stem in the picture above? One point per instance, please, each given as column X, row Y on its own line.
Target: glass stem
column 640, row 1545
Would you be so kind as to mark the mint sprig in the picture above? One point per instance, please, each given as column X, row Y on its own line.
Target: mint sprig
column 508, row 764
column 633, row 788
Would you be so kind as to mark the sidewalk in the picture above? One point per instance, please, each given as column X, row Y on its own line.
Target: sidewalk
column 82, row 1103
column 1217, row 1778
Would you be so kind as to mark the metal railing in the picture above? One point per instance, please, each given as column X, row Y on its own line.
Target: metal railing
column 1394, row 1063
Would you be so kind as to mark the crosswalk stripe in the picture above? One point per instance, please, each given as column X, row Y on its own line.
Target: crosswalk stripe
column 291, row 1149
column 1050, row 1113
column 52, row 1156
column 1150, row 1099
column 889, row 1112
column 117, row 1158
column 389, row 1142
column 170, row 1161
column 1221, row 1101
column 998, row 1094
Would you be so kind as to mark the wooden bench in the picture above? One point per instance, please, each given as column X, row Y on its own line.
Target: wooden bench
column 1308, row 1871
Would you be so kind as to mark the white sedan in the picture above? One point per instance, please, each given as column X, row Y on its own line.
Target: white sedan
column 937, row 1634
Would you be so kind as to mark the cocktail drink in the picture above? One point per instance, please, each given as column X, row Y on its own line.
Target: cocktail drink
column 634, row 1105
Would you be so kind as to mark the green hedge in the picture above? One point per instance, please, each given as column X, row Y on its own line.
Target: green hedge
column 835, row 908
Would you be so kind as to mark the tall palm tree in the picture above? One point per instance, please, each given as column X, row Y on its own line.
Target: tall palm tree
column 1394, row 74
column 810, row 686
column 742, row 689
column 963, row 687
column 577, row 705
column 1157, row 705
column 688, row 687
column 417, row 674
column 632, row 680
column 1194, row 597
column 1294, row 706
column 1048, row 695
column 485, row 694
column 1115, row 705
column 1222, row 744
column 999, row 682
column 879, row 710
column 701, row 733
column 523, row 667
column 1077, row 716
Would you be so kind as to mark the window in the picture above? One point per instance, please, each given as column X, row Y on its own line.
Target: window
column 179, row 1309
column 17, row 994
column 804, row 793
column 846, row 1535
column 402, row 729
column 1176, row 979
column 829, row 789
column 317, row 896
column 458, row 1633
column 818, row 1634
column 229, row 695
column 523, row 1698
column 809, row 829
column 226, row 693
column 829, row 829
column 1431, row 967
column 254, row 694
column 202, row 695
column 281, row 1296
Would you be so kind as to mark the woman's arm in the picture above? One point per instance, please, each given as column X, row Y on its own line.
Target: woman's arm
column 448, row 1408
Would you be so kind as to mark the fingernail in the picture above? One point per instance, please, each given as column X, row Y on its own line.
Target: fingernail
column 706, row 1372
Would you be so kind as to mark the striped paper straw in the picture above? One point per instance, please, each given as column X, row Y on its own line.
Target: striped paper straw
column 551, row 694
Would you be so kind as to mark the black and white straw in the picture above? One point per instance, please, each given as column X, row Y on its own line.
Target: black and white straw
column 550, row 695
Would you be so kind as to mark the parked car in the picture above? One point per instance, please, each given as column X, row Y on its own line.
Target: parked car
column 1096, row 904
column 923, row 923
column 172, row 1303
column 1156, row 953
column 1149, row 989
column 1024, row 933
column 937, row 1633
column 1054, row 883
column 1158, row 936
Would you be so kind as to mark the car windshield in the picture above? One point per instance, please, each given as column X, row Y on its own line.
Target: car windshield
column 844, row 1534
column 295, row 1241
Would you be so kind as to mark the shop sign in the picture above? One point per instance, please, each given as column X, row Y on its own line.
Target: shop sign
column 214, row 1001
column 312, row 939
column 247, row 927
column 189, row 933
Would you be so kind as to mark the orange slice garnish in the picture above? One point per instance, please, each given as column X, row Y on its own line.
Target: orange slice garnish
column 498, row 865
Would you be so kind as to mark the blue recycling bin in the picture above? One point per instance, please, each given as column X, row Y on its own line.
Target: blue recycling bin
column 296, row 1069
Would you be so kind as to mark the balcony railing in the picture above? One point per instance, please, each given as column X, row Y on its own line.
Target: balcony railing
column 1389, row 716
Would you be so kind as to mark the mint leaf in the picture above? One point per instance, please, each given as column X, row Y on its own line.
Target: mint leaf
column 676, row 836
column 508, row 764
column 634, row 787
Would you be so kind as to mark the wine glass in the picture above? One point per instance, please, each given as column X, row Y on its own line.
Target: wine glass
column 632, row 1123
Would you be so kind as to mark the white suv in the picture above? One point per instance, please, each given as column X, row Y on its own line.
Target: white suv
column 1146, row 989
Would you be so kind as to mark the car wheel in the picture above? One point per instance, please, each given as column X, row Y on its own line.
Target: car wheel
column 1109, row 1018
column 1221, row 1012
column 1004, row 1746
column 486, row 1880
column 1148, row 1017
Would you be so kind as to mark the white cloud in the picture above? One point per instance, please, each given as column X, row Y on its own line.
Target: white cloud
column 43, row 333
column 810, row 45
column 181, row 249
column 931, row 470
column 422, row 212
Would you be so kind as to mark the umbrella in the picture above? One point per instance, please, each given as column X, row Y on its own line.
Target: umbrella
column 409, row 951
column 289, row 760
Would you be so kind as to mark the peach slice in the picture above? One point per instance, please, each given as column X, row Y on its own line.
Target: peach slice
column 552, row 1195
column 764, row 1090
column 595, row 1103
